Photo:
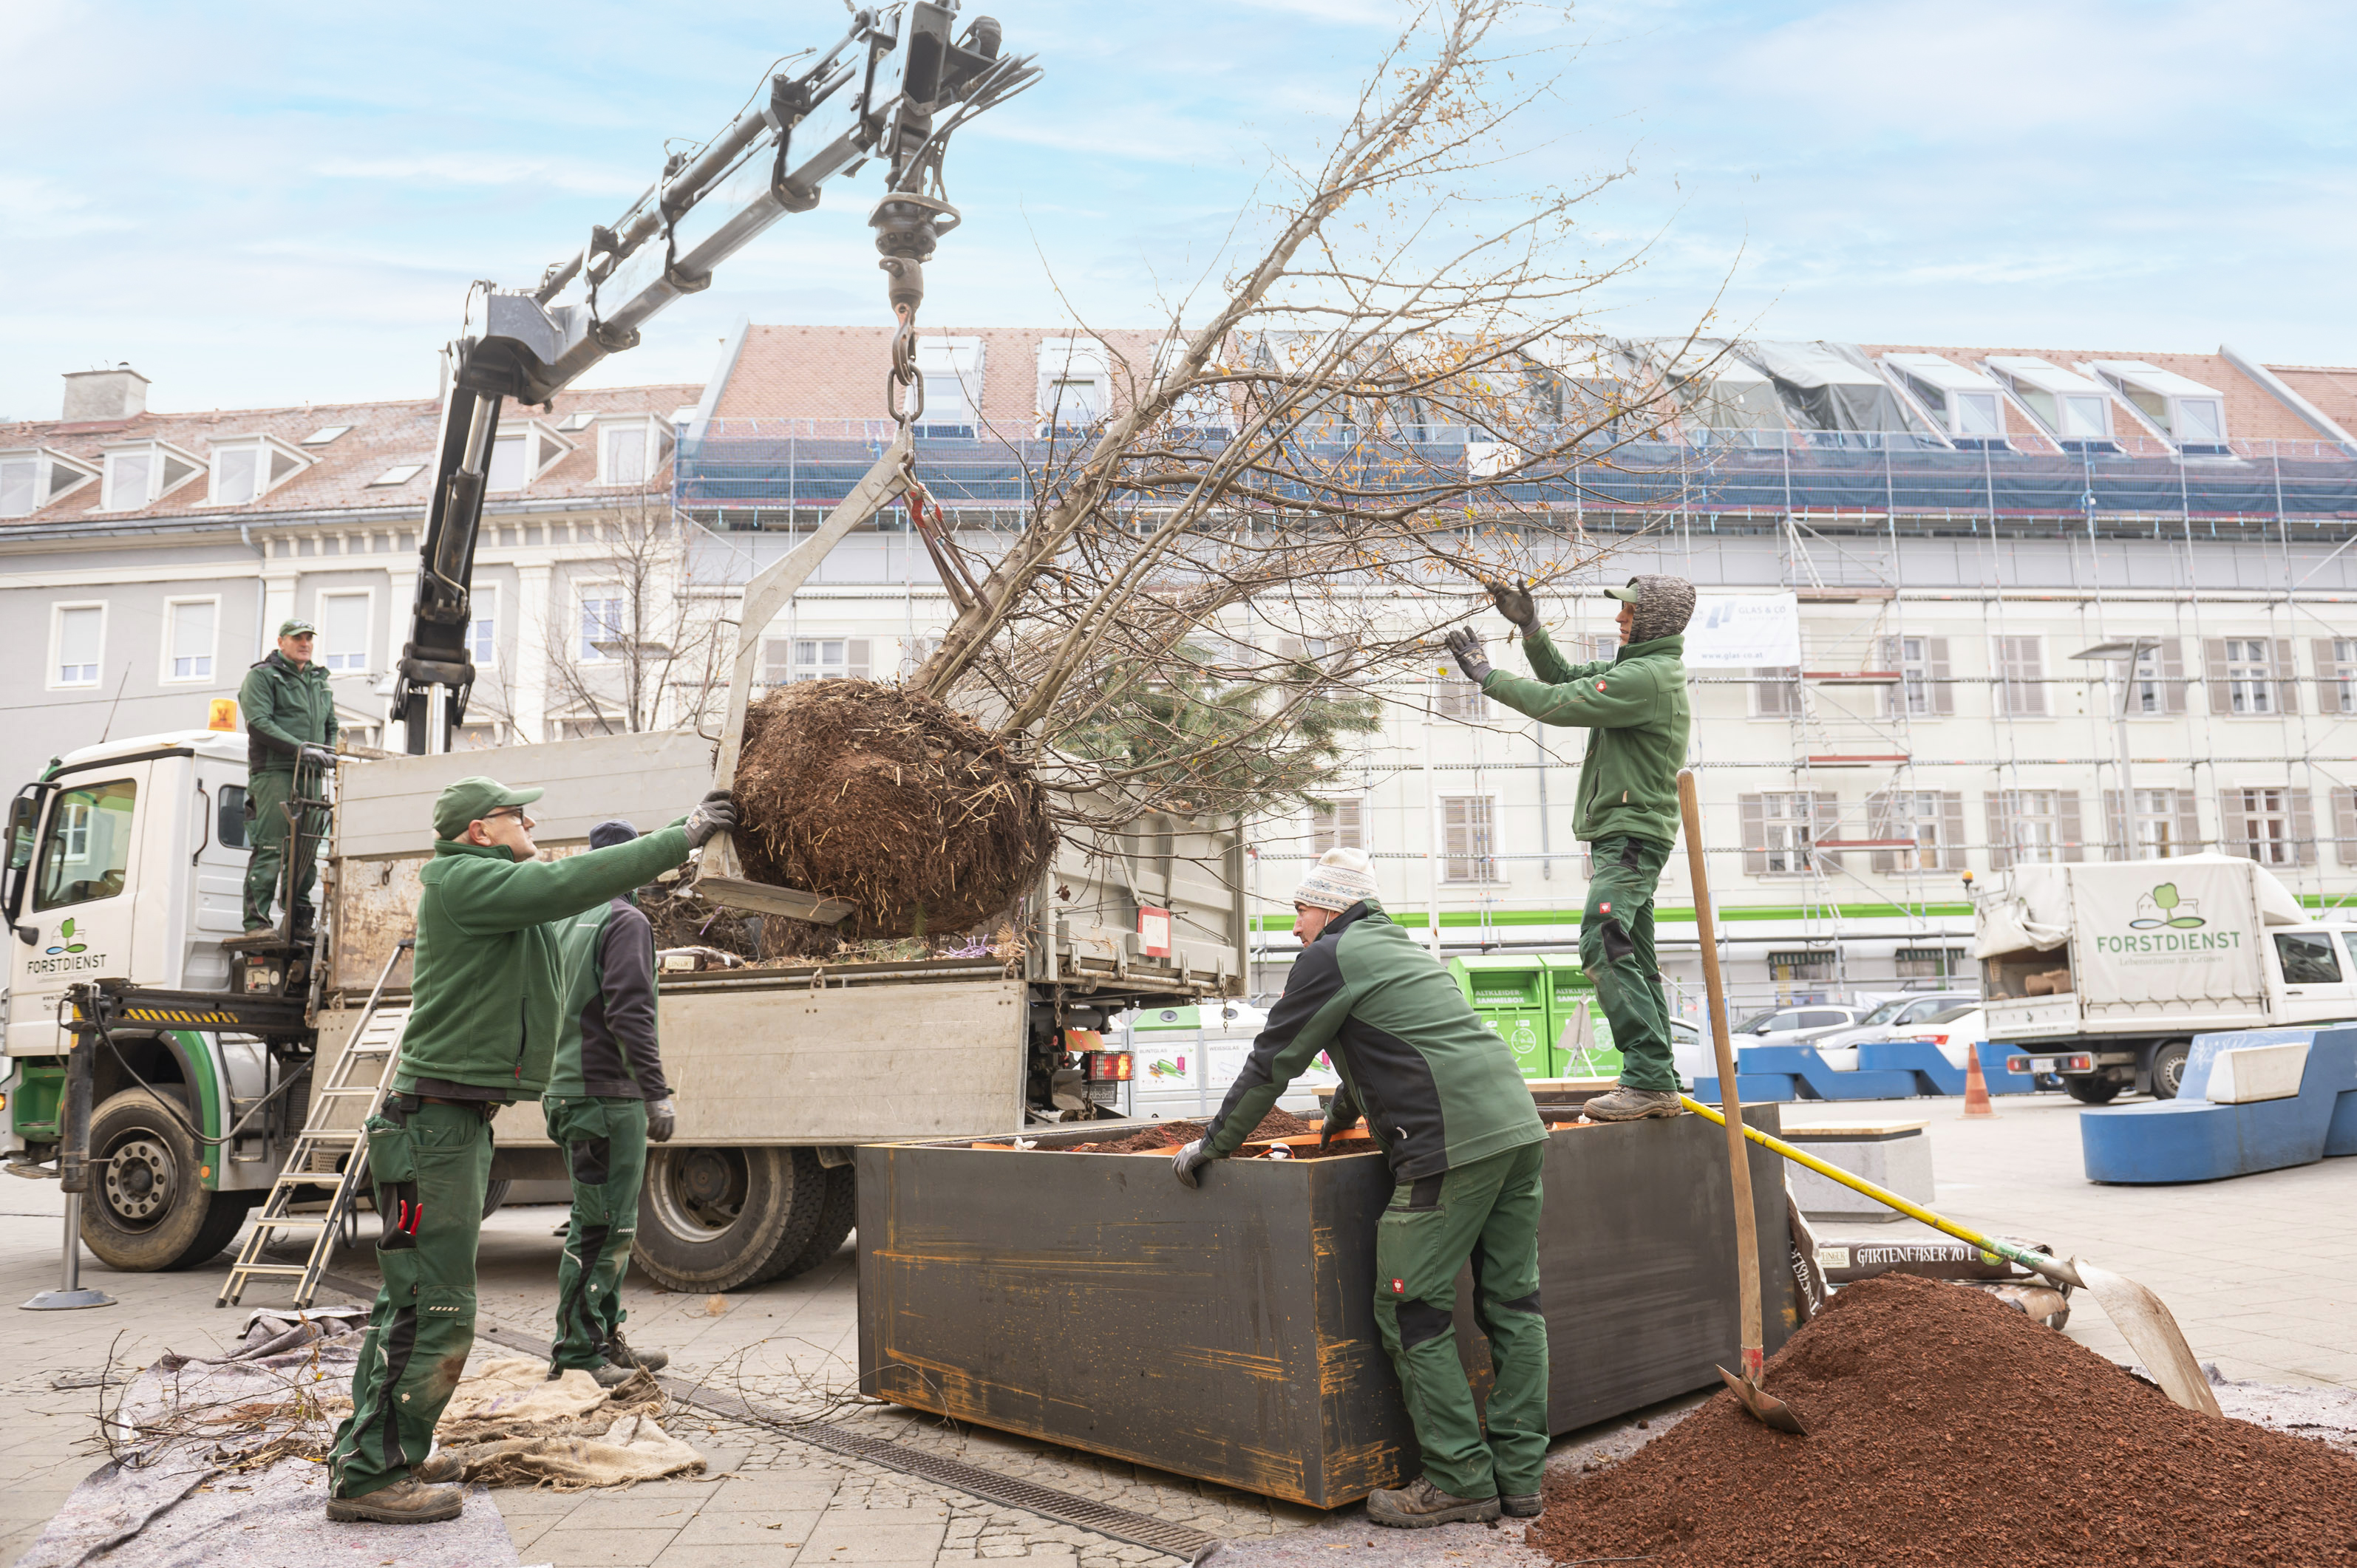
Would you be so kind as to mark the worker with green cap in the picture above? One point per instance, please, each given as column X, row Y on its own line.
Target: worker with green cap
column 1446, row 1104
column 290, row 741
column 606, row 1099
column 1633, row 707
column 483, row 1022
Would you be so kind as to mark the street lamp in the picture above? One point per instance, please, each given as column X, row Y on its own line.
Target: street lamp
column 2126, row 653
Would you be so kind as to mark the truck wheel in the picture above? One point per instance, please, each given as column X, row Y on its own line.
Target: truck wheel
column 2168, row 1068
column 495, row 1194
column 712, row 1219
column 836, row 1215
column 2093, row 1091
column 147, row 1210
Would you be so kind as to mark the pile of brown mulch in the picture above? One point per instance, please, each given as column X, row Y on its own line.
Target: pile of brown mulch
column 910, row 809
column 1170, row 1134
column 1946, row 1428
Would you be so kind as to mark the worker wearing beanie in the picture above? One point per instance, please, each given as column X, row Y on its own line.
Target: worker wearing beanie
column 605, row 1099
column 481, row 1031
column 1634, row 708
column 1444, row 1100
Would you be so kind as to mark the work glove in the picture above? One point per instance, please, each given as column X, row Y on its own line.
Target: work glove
column 1513, row 601
column 661, row 1117
column 319, row 756
column 1330, row 1130
column 1466, row 647
column 1187, row 1161
column 715, row 813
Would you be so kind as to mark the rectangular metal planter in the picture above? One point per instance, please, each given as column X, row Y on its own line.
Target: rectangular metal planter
column 1229, row 1333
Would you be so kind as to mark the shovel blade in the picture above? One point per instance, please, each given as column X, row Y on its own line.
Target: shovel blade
column 1765, row 1407
column 2145, row 1323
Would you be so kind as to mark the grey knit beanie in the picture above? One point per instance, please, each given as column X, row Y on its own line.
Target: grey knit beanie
column 609, row 834
column 1663, row 606
column 1340, row 879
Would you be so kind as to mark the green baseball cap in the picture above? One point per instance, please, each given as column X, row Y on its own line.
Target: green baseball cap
column 472, row 799
column 297, row 628
column 1630, row 593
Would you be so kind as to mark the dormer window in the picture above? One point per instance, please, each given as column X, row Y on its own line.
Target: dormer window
column 953, row 370
column 141, row 475
column 1075, row 384
column 31, row 478
column 629, row 449
column 2074, row 410
column 1964, row 405
column 1205, row 410
column 246, row 468
column 521, row 457
column 2190, row 414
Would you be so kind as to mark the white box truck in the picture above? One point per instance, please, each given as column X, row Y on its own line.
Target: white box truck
column 2103, row 973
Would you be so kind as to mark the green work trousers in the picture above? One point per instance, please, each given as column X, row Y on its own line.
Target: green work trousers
column 605, row 1143
column 1615, row 949
column 430, row 1165
column 1487, row 1212
column 266, row 794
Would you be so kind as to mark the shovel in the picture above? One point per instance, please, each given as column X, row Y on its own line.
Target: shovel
column 2139, row 1316
column 1763, row 1405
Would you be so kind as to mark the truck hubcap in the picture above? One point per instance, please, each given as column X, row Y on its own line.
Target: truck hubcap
column 698, row 1192
column 139, row 1180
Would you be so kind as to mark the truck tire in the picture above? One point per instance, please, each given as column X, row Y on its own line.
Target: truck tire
column 2093, row 1091
column 715, row 1219
column 495, row 1194
column 834, row 1219
column 2168, row 1067
column 148, row 1210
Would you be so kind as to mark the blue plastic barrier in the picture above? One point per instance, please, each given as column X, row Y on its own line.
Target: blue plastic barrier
column 1920, row 1059
column 1995, row 1073
column 1819, row 1081
column 1754, row 1088
column 2190, row 1139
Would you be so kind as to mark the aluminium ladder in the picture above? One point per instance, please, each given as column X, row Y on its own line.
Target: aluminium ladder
column 362, row 1073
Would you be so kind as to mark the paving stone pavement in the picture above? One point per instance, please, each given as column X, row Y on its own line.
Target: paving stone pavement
column 2261, row 1272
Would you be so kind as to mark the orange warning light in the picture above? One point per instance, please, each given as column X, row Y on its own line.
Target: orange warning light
column 224, row 714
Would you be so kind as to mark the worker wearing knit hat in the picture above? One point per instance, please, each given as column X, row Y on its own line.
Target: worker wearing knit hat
column 1442, row 1098
column 1633, row 707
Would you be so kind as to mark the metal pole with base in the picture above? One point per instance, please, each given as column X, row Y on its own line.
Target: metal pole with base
column 73, row 1178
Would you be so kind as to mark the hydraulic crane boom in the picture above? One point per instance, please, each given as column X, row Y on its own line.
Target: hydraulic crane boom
column 708, row 204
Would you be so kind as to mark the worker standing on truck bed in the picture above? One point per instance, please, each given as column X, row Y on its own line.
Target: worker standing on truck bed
column 290, row 737
column 1444, row 1098
column 482, row 1030
column 605, row 1099
column 1634, row 709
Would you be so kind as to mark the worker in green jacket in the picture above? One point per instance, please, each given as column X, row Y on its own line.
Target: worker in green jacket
column 1634, row 709
column 1443, row 1098
column 290, row 739
column 482, row 1030
column 606, row 1098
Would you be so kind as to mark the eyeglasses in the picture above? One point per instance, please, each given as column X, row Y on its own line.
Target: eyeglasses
column 515, row 811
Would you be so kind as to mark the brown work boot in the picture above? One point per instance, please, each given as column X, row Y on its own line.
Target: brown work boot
column 1627, row 1104
column 1416, row 1505
column 406, row 1501
column 1525, row 1505
column 438, row 1466
column 619, row 1352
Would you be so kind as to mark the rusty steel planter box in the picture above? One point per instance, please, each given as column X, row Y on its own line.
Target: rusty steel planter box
column 1228, row 1334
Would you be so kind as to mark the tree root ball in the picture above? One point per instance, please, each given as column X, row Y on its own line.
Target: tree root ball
column 911, row 811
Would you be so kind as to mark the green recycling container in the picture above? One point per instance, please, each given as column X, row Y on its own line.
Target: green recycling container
column 1569, row 991
column 1509, row 992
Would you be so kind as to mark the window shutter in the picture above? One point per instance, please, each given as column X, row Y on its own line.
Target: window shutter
column 1755, row 835
column 2066, row 824
column 1951, row 829
column 1882, row 824
column 2213, row 661
column 1935, row 658
column 2188, row 824
column 2344, row 824
column 2328, row 670
column 857, row 658
column 2287, row 679
column 2233, row 838
column 2173, row 675
column 2000, row 832
column 777, row 660
column 2303, row 829
column 1825, row 822
column 2119, row 829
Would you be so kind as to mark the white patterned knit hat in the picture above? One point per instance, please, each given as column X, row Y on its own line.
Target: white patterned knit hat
column 1340, row 879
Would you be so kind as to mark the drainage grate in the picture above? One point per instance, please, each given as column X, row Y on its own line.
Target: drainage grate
column 1121, row 1524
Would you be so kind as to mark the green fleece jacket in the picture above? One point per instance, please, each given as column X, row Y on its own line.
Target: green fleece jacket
column 489, row 973
column 1634, row 708
column 1439, row 1087
column 286, row 708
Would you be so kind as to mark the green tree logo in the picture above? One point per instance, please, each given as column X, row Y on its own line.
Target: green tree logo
column 65, row 936
column 2165, row 906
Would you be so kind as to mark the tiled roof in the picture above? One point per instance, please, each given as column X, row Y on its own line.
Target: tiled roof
column 837, row 373
column 2253, row 413
column 383, row 436
column 2332, row 390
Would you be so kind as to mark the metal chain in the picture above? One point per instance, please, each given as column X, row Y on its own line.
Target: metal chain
column 904, row 389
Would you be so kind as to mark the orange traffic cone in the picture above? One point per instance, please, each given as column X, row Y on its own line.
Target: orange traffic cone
column 1976, row 1094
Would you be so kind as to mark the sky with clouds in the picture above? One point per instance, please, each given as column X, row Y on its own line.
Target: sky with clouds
column 271, row 202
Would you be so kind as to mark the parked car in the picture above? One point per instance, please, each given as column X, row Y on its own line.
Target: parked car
column 1794, row 1026
column 1890, row 1020
column 1955, row 1031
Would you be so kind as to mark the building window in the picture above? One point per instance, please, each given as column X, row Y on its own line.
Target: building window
column 629, row 452
column 1776, row 693
column 604, row 626
column 2267, row 823
column 2021, row 677
column 244, row 470
column 188, row 626
column 2250, row 675
column 1453, row 697
column 1337, row 824
column 32, row 478
column 1928, row 964
column 521, row 457
column 483, row 627
column 951, row 368
column 141, row 475
column 343, row 631
column 79, row 632
column 1465, row 832
column 1780, row 830
column 1802, row 966
column 2164, row 824
column 1921, row 665
column 2336, row 671
column 2157, row 686
column 1075, row 373
column 1933, row 818
column 2033, row 827
column 785, row 660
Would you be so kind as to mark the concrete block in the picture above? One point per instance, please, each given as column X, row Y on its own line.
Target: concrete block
column 1894, row 1154
column 2247, row 1074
